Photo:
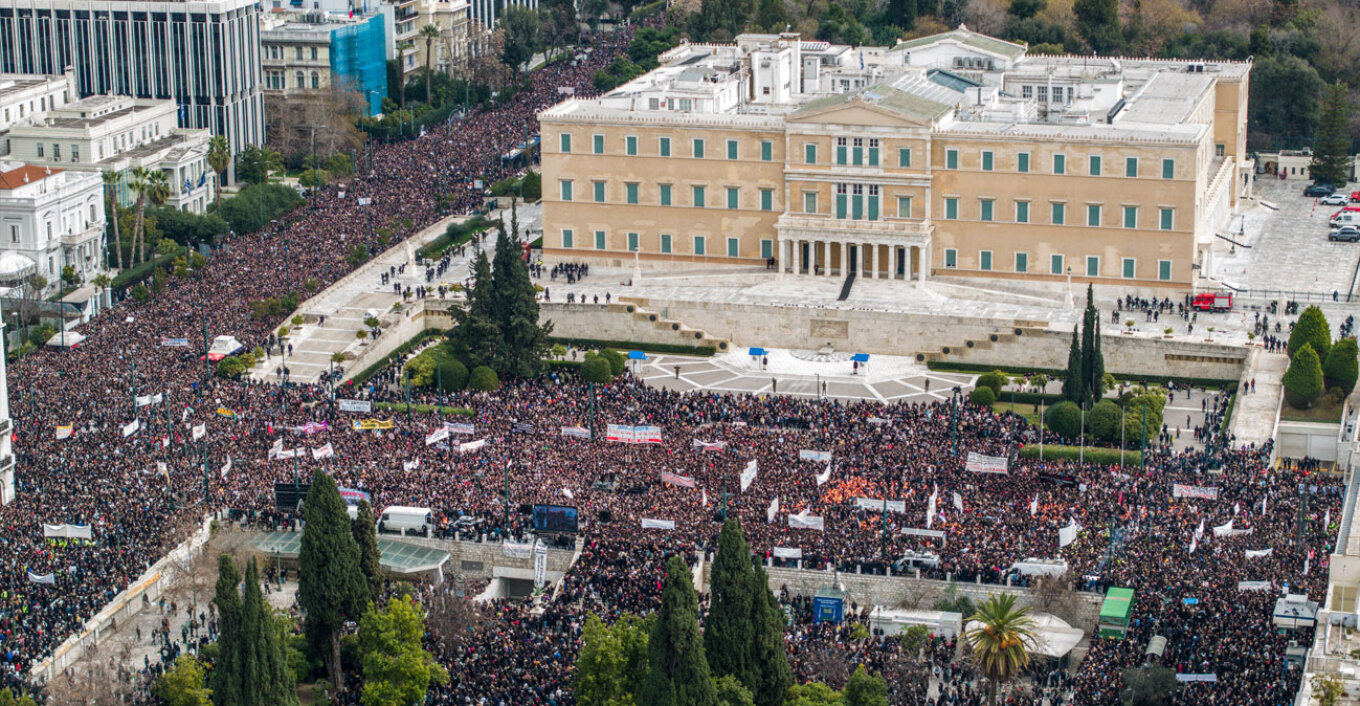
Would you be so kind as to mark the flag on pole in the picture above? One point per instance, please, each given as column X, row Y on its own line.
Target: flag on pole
column 958, row 502
column 772, row 510
column 1034, row 506
column 64, row 432
column 200, row 431
column 1237, row 508
column 1199, row 533
column 704, row 494
column 323, row 452
column 131, row 428
column 226, row 468
column 825, row 476
column 1327, row 519
column 748, row 476
column 276, row 448
column 1264, row 504
column 567, row 492
column 1194, row 542
column 163, row 469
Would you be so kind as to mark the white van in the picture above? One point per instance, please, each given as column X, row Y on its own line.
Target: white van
column 1345, row 218
column 400, row 519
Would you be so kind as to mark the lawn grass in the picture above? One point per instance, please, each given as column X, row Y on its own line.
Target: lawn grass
column 1324, row 410
column 1029, row 411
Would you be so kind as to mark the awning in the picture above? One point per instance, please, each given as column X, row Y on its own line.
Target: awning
column 759, row 351
column 70, row 339
column 637, row 355
column 860, row 357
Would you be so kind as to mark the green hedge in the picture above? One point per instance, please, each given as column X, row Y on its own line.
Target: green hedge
column 636, row 346
column 400, row 407
column 142, row 271
column 1055, row 374
column 1033, row 398
column 1071, row 453
column 456, row 234
column 392, row 357
column 572, row 365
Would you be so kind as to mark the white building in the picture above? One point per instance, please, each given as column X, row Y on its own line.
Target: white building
column 117, row 134
column 52, row 217
column 25, row 96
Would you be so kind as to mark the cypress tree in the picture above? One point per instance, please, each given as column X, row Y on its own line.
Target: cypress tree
column 268, row 681
column 523, row 343
column 1303, row 380
column 770, row 659
column 729, row 629
column 365, row 530
column 1341, row 367
column 677, row 670
column 226, row 673
column 1072, row 384
column 1311, row 328
column 331, row 587
column 477, row 338
column 1331, row 149
column 1092, row 362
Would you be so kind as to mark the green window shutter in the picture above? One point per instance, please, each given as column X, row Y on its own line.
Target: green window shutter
column 767, row 199
column 1131, row 167
column 733, row 247
column 858, row 155
column 1093, row 215
column 904, row 207
column 630, row 144
column 1059, row 215
column 951, row 159
column 698, row 197
column 840, row 154
column 698, row 149
column 1129, row 267
column 986, row 161
column 733, row 197
column 731, row 149
column 1167, row 217
column 699, row 245
column 1021, row 262
column 766, row 249
column 873, row 208
column 873, row 156
column 841, row 205
column 632, row 242
column 766, row 150
column 665, row 147
column 1130, row 216
column 566, row 190
column 951, row 257
column 1095, row 165
column 599, row 240
column 904, row 157
column 1022, row 163
column 599, row 191
column 1055, row 264
column 985, row 260
column 857, row 207
column 810, row 153
column 597, row 143
column 1022, row 212
column 951, row 208
column 665, row 194
column 987, row 209
column 1059, row 164
column 1092, row 266
column 566, row 238
column 632, row 193
column 810, row 202
column 565, row 141
column 1168, row 172
column 1164, row 270
column 665, row 243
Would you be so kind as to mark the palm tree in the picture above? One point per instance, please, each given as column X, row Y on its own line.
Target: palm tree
column 157, row 191
column 1002, row 641
column 138, row 184
column 219, row 158
column 429, row 33
column 111, row 179
column 271, row 161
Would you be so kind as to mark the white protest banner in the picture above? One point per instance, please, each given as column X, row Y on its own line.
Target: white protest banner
column 362, row 406
column 930, row 507
column 323, row 452
column 824, row 476
column 1034, row 505
column 157, row 398
column 619, row 433
column 576, row 432
column 772, row 510
column 1197, row 677
column 439, row 435
column 657, row 524
column 899, row 506
column 646, row 435
column 471, row 446
column 226, row 468
column 958, row 502
column 411, row 465
column 978, row 463
column 131, row 428
column 64, row 432
column 69, row 531
column 677, row 479
column 805, row 521
column 276, row 448
column 1194, row 544
column 460, row 428
column 814, row 455
column 1193, row 491
column 517, row 551
column 200, row 431
column 1222, row 530
column 787, row 553
column 42, row 578
column 1068, row 534
column 708, row 445
column 1199, row 532
column 287, row 454
column 748, row 475
column 934, row 534
column 567, row 492
column 1255, row 553
column 143, row 400
column 1254, row 586
column 540, row 564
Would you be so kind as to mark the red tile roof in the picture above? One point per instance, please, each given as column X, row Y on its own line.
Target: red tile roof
column 14, row 178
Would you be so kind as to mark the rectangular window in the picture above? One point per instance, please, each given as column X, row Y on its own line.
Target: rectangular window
column 1219, row 149
column 699, row 245
column 951, row 257
column 40, row 149
column 873, row 152
column 598, row 186
column 857, row 151
column 842, row 199
column 698, row 197
column 731, row 149
column 841, row 151
column 1093, row 215
column 1055, row 264
column 1164, row 270
column 1094, row 161
column 1167, row 216
column 1022, row 212
column 597, row 143
column 1059, row 164
column 632, row 193
column 904, row 157
column 1059, row 214
column 809, row 153
column 599, row 240
column 1130, row 267
column 733, row 247
column 565, row 141
column 1092, row 266
column 987, row 209
column 666, row 243
column 630, row 145
column 766, row 151
column 566, row 238
column 1168, row 172
column 1130, row 216
column 1022, row 262
column 665, row 194
column 698, row 148
column 1131, row 167
column 767, row 199
column 985, row 260
column 733, row 198
column 951, row 209
column 987, row 161
column 632, row 242
column 664, row 147
column 904, row 207
column 566, row 189
column 1022, row 162
column 809, row 202
column 951, row 159
column 767, row 249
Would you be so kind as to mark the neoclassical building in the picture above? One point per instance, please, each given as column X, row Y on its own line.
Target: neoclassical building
column 955, row 154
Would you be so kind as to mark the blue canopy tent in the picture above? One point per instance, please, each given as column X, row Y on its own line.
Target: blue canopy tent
column 860, row 359
column 637, row 355
column 759, row 351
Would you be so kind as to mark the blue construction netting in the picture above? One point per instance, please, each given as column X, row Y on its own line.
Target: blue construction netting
column 357, row 56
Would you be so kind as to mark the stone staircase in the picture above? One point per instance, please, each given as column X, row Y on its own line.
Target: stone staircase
column 1000, row 338
column 683, row 334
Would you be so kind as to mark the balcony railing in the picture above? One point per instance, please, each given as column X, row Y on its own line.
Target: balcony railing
column 890, row 226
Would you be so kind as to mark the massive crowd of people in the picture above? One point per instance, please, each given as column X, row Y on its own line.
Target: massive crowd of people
column 138, row 488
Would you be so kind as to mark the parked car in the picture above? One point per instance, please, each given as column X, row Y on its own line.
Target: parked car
column 1319, row 190
column 1334, row 200
column 1355, row 196
column 1345, row 234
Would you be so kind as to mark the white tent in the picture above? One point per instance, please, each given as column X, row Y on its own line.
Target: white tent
column 223, row 346
column 70, row 339
column 1053, row 637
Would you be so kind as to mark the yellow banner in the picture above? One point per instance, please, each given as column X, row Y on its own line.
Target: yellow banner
column 224, row 412
column 371, row 424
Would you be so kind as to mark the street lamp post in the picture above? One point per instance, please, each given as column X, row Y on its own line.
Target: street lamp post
column 954, row 420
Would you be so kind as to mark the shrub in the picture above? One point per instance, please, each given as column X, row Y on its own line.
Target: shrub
column 1064, row 419
column 616, row 360
column 1103, row 420
column 1303, row 380
column 1151, row 400
column 596, row 369
column 141, row 293
column 1341, row 368
column 453, row 375
column 982, row 396
column 484, row 379
column 230, row 367
column 995, row 380
column 1311, row 328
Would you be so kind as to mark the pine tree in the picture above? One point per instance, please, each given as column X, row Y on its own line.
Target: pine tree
column 729, row 629
column 1098, row 24
column 1311, row 328
column 1331, row 149
column 1072, row 384
column 226, row 678
column 365, row 530
column 523, row 342
column 331, row 586
column 477, row 338
column 902, row 13
column 677, row 670
column 770, row 659
column 267, row 679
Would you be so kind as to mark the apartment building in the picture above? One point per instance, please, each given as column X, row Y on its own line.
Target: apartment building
column 453, row 18
column 951, row 155
column 310, row 53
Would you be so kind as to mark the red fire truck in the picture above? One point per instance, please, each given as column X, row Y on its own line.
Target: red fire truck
column 1212, row 301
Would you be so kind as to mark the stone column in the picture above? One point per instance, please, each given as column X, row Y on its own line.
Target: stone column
column 873, row 273
column 812, row 257
column 826, row 258
column 924, row 264
column 892, row 262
